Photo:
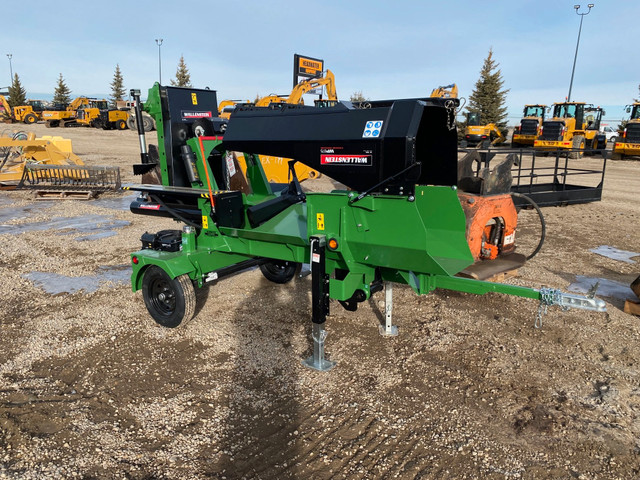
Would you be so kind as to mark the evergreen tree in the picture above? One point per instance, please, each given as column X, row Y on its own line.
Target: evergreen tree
column 62, row 94
column 17, row 93
column 118, row 91
column 183, row 78
column 488, row 97
column 358, row 97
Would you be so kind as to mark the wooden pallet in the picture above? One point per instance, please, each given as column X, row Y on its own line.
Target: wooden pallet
column 494, row 270
column 64, row 194
column 632, row 307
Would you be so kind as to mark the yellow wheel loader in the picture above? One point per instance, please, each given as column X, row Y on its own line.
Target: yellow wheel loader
column 29, row 113
column 574, row 127
column 628, row 143
column 525, row 134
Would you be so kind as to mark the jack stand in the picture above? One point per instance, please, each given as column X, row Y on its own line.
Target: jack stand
column 320, row 305
column 317, row 360
column 388, row 329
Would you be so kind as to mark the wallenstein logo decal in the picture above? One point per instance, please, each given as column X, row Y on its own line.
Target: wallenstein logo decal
column 362, row 160
column 192, row 114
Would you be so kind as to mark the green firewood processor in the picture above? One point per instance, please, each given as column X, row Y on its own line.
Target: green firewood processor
column 399, row 218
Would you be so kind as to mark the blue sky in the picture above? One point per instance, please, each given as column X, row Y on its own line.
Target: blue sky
column 389, row 49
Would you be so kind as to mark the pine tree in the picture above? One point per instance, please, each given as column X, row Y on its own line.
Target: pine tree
column 488, row 97
column 117, row 87
column 183, row 78
column 17, row 94
column 358, row 97
column 62, row 94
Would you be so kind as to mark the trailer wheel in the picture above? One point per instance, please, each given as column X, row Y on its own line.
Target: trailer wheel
column 279, row 271
column 171, row 302
column 30, row 118
column 147, row 123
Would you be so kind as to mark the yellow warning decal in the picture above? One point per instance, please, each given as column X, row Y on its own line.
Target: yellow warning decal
column 320, row 221
column 205, row 222
column 194, row 98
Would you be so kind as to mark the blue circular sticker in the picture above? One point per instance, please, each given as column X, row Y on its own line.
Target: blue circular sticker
column 376, row 133
column 369, row 124
column 378, row 124
column 367, row 133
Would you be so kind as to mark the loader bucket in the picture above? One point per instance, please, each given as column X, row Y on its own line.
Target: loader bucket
column 62, row 177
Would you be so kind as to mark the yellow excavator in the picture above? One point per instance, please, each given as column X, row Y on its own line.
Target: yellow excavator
column 88, row 112
column 574, row 127
column 446, row 91
column 629, row 142
column 29, row 113
column 529, row 129
column 481, row 135
column 276, row 168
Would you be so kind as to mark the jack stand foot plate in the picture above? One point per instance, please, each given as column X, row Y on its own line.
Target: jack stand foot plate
column 317, row 361
column 321, row 366
column 388, row 332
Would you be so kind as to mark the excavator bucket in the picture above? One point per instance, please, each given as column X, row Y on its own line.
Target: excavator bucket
column 49, row 164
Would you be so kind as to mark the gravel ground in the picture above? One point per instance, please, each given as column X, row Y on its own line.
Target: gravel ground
column 91, row 388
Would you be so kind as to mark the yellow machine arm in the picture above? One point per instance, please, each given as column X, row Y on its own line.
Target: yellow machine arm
column 328, row 81
column 446, row 91
column 5, row 105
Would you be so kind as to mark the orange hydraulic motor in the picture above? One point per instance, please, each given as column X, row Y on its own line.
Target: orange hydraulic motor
column 491, row 224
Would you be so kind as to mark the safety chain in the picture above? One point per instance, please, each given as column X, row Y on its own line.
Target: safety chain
column 548, row 296
column 450, row 106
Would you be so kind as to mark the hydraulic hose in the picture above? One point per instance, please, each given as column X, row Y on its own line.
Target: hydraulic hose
column 543, row 224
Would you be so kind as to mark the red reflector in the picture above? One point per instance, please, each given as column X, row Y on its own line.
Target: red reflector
column 135, row 260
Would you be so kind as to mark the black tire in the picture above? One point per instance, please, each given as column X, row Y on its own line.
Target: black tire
column 131, row 123
column 121, row 125
column 279, row 271
column 613, row 140
column 147, row 123
column 577, row 144
column 171, row 302
column 30, row 118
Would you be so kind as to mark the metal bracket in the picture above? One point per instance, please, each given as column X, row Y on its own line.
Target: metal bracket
column 388, row 329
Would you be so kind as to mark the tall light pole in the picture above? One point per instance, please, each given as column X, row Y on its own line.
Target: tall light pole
column 9, row 56
column 573, row 70
column 159, row 42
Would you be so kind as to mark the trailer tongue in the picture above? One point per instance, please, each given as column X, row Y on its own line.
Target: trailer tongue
column 400, row 221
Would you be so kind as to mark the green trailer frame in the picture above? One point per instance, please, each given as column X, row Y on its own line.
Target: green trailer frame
column 354, row 243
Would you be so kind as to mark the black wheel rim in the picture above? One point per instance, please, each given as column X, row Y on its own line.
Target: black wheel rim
column 277, row 268
column 162, row 296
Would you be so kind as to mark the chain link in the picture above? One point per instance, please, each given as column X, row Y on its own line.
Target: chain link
column 450, row 106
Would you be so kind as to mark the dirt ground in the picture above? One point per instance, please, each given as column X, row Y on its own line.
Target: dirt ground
column 91, row 388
